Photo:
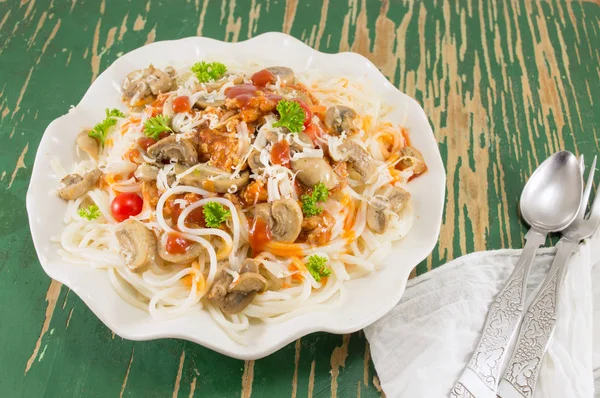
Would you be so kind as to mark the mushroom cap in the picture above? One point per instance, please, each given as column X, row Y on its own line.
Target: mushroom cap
column 411, row 158
column 360, row 160
column 138, row 244
column 143, row 83
column 146, row 172
column 203, row 176
column 389, row 200
column 172, row 149
column 76, row 185
column 232, row 297
column 249, row 282
column 312, row 171
column 284, row 218
column 285, row 74
column 303, row 138
column 340, row 118
column 88, row 144
column 192, row 252
column 254, row 161
column 204, row 102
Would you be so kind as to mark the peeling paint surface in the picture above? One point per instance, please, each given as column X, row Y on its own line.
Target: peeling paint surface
column 504, row 84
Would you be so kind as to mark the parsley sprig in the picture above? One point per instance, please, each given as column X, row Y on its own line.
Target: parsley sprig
column 215, row 214
column 291, row 115
column 320, row 193
column 100, row 130
column 208, row 71
column 317, row 266
column 90, row 213
column 156, row 125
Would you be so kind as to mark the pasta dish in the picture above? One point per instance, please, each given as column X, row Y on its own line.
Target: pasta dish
column 250, row 193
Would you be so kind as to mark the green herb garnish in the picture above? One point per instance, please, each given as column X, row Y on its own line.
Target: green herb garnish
column 208, row 71
column 100, row 130
column 317, row 266
column 320, row 193
column 156, row 125
column 291, row 115
column 215, row 214
column 90, row 213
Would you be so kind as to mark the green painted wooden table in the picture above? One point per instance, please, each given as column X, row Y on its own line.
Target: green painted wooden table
column 504, row 83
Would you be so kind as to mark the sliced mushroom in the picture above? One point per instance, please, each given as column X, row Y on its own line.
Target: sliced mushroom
column 273, row 282
column 138, row 244
column 249, row 282
column 304, row 142
column 254, row 161
column 146, row 172
column 139, row 85
column 174, row 148
column 411, row 159
column 217, row 84
column 389, row 201
column 360, row 160
column 206, row 101
column 76, row 185
column 232, row 297
column 191, row 253
column 312, row 171
column 204, row 176
column 88, row 144
column 285, row 74
column 284, row 218
column 340, row 118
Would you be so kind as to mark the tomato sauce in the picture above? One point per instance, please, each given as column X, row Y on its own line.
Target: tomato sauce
column 146, row 142
column 181, row 104
column 262, row 78
column 242, row 93
column 260, row 235
column 280, row 153
column 177, row 244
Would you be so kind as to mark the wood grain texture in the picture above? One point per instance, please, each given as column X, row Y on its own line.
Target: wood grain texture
column 504, row 84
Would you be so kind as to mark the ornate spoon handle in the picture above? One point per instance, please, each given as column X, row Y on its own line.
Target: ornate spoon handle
column 480, row 378
column 523, row 369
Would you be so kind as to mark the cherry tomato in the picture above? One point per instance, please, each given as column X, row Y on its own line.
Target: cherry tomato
column 307, row 111
column 181, row 104
column 125, row 205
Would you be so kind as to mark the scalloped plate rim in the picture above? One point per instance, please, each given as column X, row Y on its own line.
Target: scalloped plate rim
column 244, row 352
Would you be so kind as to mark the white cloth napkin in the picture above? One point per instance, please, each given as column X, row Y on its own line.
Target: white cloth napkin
column 422, row 346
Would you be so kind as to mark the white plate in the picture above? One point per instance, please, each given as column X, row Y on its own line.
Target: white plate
column 368, row 298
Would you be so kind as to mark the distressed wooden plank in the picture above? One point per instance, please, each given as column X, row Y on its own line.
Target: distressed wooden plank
column 504, row 84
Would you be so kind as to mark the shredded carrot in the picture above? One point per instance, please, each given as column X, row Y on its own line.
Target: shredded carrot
column 349, row 235
column 195, row 277
column 284, row 249
column 404, row 132
column 296, row 262
column 109, row 143
column 349, row 222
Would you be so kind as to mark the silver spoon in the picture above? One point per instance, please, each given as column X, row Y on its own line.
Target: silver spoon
column 549, row 203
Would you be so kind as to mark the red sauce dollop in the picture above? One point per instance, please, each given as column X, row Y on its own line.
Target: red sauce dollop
column 146, row 142
column 181, row 104
column 262, row 78
column 260, row 234
column 242, row 93
column 177, row 244
column 280, row 153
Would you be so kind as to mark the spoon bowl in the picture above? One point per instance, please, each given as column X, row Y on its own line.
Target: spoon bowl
column 551, row 198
